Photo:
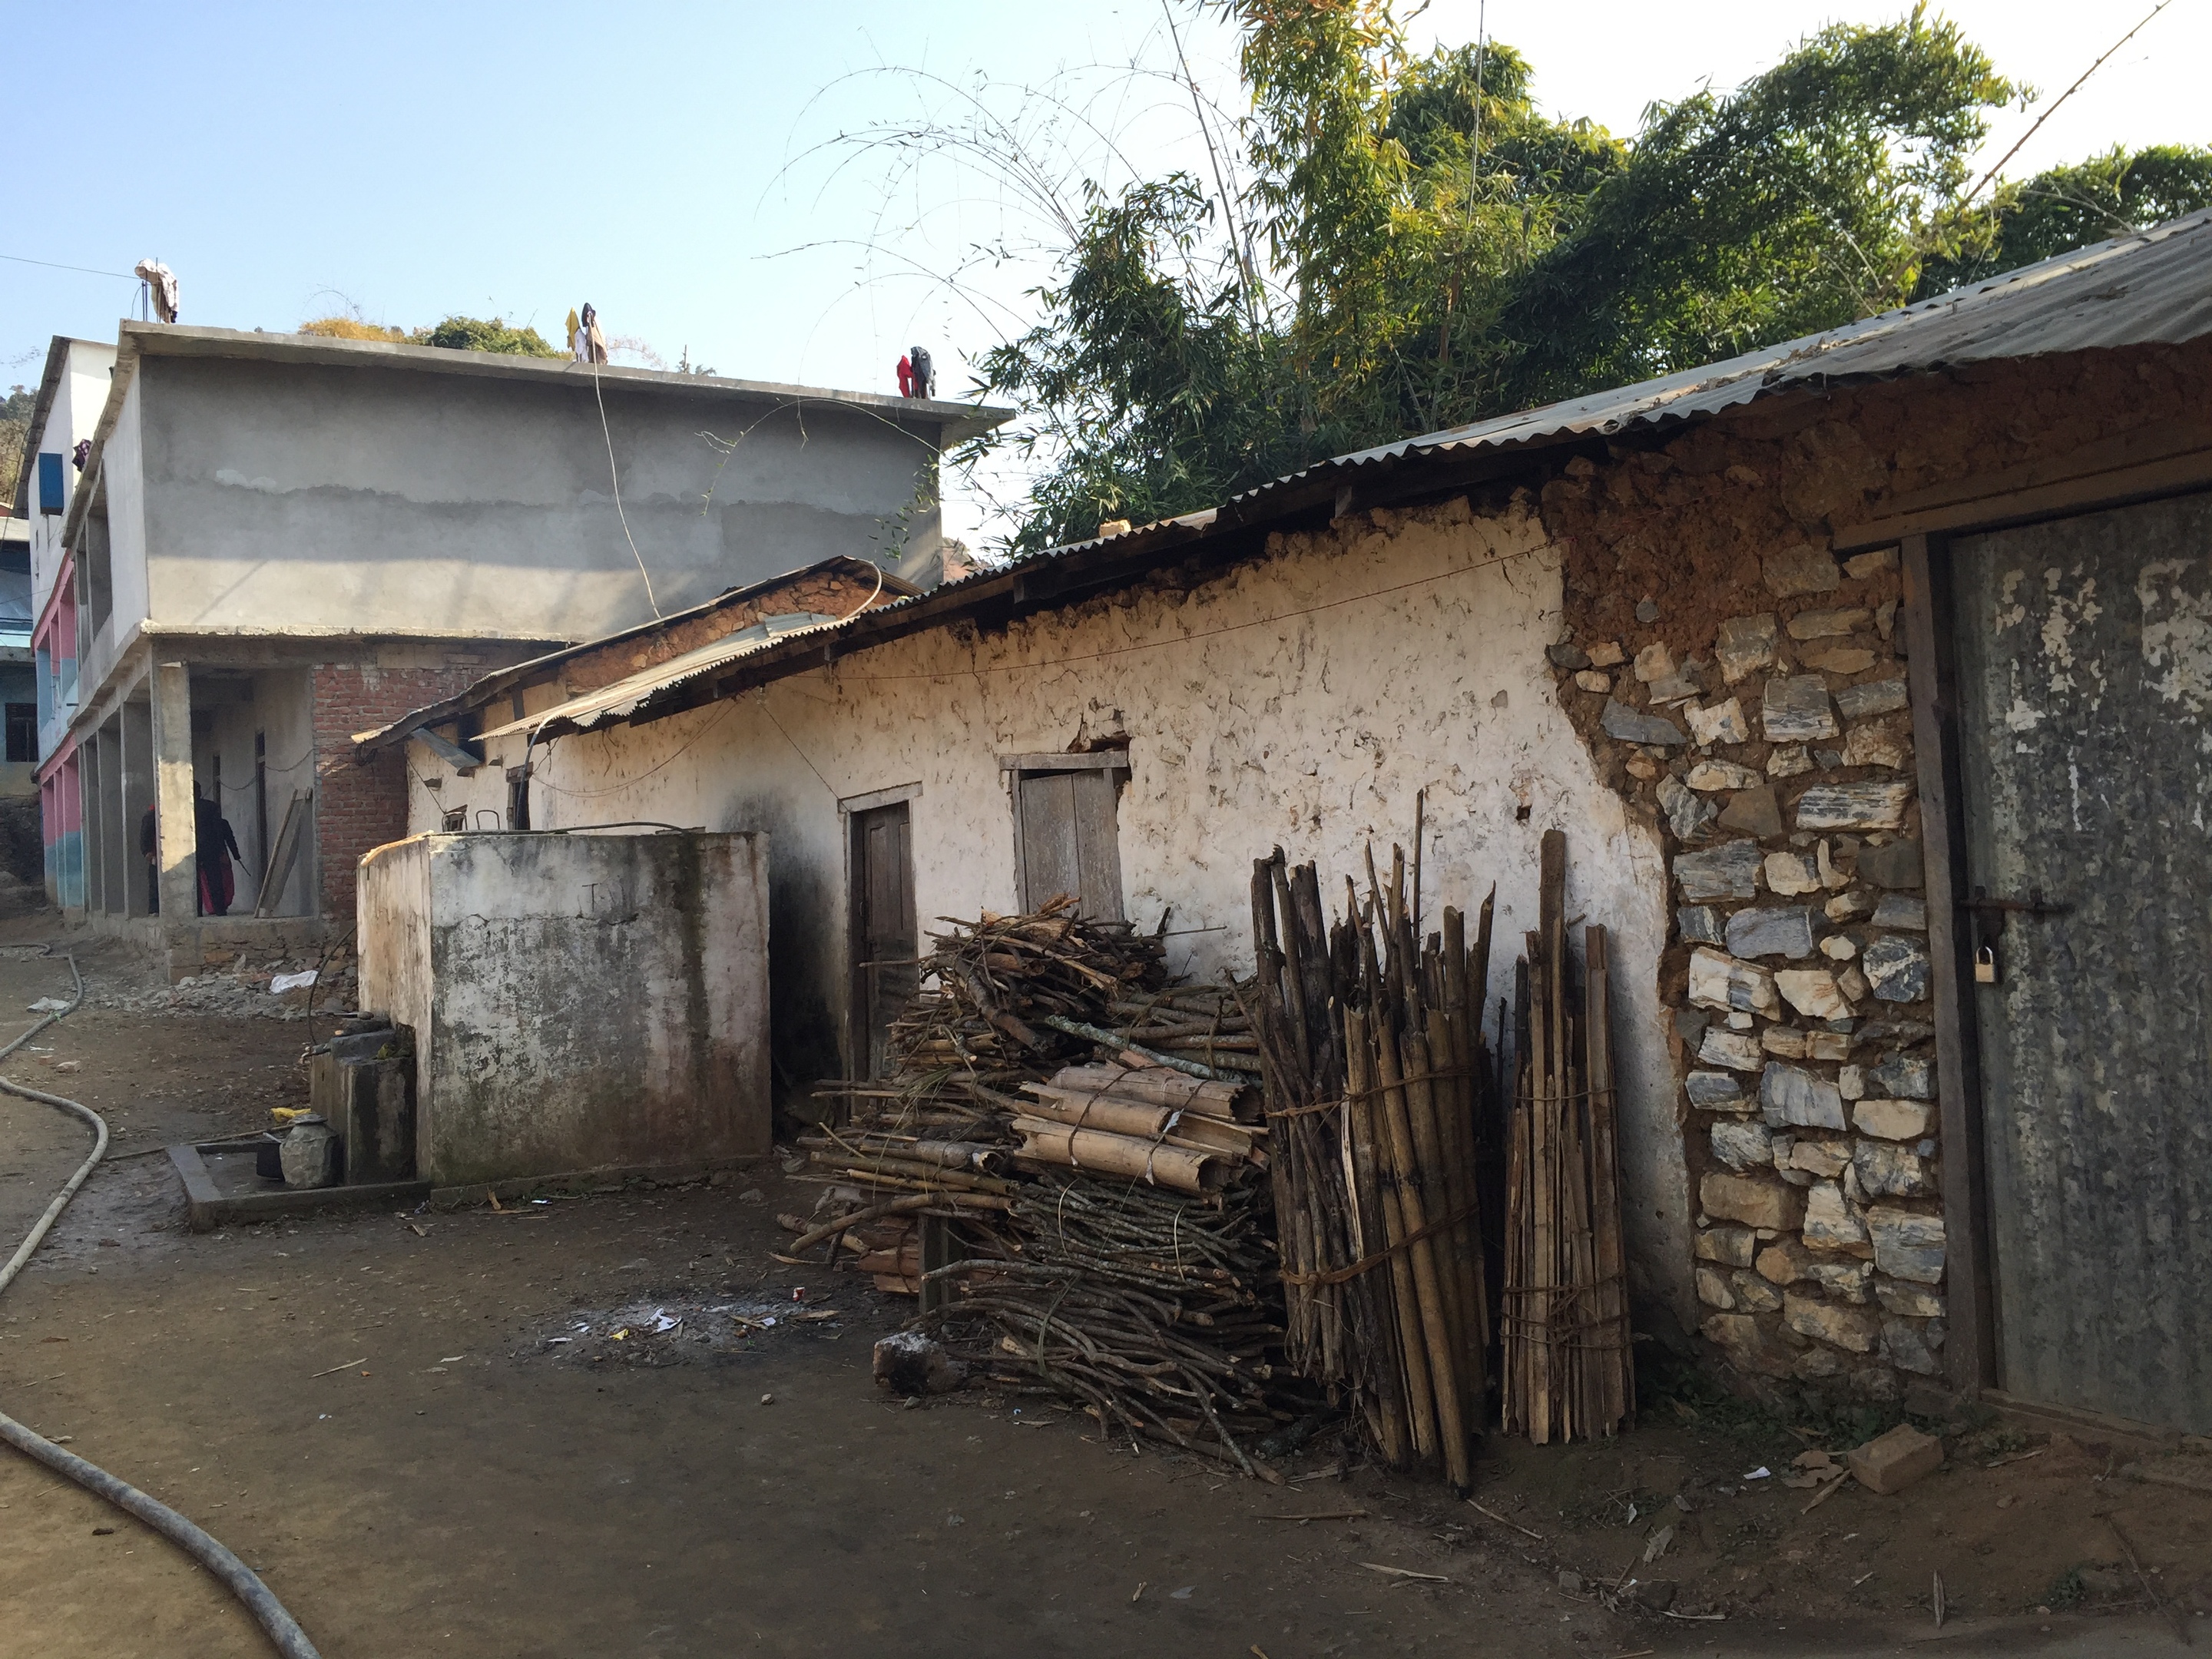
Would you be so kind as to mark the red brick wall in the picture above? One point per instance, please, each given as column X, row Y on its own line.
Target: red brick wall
column 360, row 807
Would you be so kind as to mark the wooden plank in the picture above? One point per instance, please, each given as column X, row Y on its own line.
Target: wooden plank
column 453, row 754
column 2155, row 443
column 1050, row 864
column 277, row 874
column 2115, row 488
column 1970, row 1356
column 1105, row 760
column 1097, row 844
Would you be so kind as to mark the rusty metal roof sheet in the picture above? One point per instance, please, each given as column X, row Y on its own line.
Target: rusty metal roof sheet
column 634, row 694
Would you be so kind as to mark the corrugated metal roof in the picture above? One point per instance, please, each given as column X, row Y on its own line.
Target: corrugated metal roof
column 534, row 668
column 2153, row 287
column 629, row 695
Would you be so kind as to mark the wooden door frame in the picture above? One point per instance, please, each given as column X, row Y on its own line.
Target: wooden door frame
column 1010, row 770
column 1971, row 1365
column 850, row 811
column 1970, row 1355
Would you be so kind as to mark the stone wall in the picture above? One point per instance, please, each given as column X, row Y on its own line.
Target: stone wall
column 1745, row 690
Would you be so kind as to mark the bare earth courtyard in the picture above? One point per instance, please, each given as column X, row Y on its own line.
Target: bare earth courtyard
column 485, row 1468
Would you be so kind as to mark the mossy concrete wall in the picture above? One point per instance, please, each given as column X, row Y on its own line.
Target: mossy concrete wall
column 580, row 1001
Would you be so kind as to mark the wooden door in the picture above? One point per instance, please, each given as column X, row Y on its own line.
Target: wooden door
column 1068, row 840
column 884, row 937
column 2084, row 656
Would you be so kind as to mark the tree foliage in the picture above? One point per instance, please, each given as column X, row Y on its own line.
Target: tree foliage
column 456, row 333
column 14, row 433
column 459, row 333
column 1432, row 249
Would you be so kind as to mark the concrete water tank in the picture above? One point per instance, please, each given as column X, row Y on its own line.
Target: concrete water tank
column 580, row 1001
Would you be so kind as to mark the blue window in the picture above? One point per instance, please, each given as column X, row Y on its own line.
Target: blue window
column 52, row 489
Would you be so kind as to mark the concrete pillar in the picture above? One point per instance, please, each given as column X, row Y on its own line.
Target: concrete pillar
column 172, row 794
column 118, row 854
column 92, row 852
column 137, row 796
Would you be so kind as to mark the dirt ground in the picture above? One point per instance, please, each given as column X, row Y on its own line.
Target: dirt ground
column 484, row 1467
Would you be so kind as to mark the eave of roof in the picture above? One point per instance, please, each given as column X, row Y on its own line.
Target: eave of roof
column 2152, row 287
column 491, row 685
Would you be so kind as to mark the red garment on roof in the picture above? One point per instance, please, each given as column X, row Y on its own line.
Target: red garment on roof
column 905, row 378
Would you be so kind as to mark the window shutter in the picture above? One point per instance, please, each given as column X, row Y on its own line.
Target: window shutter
column 52, row 487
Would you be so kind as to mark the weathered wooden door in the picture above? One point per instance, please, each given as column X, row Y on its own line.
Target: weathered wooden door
column 2084, row 653
column 1068, row 838
column 883, row 934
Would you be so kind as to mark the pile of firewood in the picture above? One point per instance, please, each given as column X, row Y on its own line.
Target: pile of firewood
column 1392, row 1144
column 1148, row 1310
column 1064, row 1163
column 995, row 997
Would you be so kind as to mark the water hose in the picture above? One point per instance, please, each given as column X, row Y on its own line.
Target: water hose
column 243, row 1582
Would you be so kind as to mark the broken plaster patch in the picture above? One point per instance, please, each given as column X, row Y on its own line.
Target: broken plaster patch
column 2177, row 632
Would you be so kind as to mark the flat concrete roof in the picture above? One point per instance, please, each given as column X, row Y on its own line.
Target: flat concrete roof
column 958, row 421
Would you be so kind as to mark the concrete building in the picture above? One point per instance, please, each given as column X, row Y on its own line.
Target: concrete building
column 1866, row 675
column 72, row 391
column 19, row 707
column 279, row 541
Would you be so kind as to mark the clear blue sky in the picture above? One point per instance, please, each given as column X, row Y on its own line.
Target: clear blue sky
column 409, row 161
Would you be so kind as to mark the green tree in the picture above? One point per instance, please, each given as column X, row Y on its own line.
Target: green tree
column 2070, row 207
column 14, row 433
column 1803, row 200
column 1439, row 251
column 459, row 333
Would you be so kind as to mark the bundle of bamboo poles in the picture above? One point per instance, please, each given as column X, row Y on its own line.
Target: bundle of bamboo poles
column 1569, row 1366
column 1376, row 1075
column 1148, row 1310
column 1151, row 1124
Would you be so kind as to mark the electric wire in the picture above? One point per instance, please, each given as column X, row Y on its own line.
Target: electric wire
column 21, row 260
column 283, row 1630
column 615, row 477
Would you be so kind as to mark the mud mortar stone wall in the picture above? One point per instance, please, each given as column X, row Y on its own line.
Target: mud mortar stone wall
column 1745, row 690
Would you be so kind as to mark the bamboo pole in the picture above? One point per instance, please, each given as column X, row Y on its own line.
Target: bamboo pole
column 1616, row 1349
column 1385, row 1366
column 1429, row 1289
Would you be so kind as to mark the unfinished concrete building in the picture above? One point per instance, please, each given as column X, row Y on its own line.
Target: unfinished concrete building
column 278, row 541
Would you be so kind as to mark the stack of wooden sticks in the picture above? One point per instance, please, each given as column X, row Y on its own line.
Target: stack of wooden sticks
column 1377, row 1079
column 1569, row 1366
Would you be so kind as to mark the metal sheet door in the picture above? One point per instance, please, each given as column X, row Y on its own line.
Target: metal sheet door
column 2084, row 651
column 884, row 937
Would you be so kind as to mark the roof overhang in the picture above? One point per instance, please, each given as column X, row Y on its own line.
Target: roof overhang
column 536, row 669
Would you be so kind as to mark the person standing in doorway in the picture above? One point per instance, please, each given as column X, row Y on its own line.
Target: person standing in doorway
column 213, row 847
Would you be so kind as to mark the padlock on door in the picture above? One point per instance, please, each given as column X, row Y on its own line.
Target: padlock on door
column 1985, row 965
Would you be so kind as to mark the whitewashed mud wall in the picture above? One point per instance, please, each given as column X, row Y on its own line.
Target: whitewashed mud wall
column 1301, row 700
